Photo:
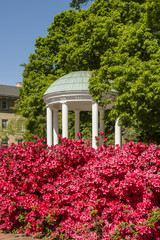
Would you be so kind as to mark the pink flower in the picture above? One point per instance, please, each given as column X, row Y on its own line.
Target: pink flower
column 35, row 136
column 101, row 133
column 97, row 138
column 104, row 139
column 75, row 190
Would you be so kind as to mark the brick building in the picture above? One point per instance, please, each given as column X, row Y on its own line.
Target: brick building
column 11, row 125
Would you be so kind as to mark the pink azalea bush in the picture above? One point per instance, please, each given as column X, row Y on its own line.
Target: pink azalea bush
column 72, row 191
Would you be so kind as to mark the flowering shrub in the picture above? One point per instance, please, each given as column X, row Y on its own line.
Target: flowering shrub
column 72, row 191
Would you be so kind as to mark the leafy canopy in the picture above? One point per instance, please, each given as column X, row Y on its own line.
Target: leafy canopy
column 119, row 41
column 77, row 3
column 132, row 63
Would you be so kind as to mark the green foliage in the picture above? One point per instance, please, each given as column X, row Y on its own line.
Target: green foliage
column 119, row 41
column 153, row 219
column 55, row 55
column 15, row 127
column 77, row 3
column 40, row 73
column 132, row 63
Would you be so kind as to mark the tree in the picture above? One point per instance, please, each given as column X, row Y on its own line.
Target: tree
column 119, row 41
column 73, row 43
column 77, row 3
column 42, row 70
column 39, row 73
column 133, row 65
column 15, row 129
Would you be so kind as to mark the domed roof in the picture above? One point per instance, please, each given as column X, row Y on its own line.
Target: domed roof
column 75, row 81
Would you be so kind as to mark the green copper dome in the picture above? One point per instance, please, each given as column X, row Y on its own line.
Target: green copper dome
column 75, row 81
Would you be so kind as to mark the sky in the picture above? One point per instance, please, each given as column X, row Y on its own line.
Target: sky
column 21, row 23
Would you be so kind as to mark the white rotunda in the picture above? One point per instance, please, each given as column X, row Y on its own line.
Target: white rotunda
column 70, row 93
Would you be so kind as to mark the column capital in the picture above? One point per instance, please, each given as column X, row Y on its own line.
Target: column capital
column 101, row 109
column 93, row 102
column 55, row 109
column 63, row 100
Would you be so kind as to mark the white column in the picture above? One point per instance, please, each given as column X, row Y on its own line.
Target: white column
column 55, row 126
column 118, row 133
column 64, row 120
column 101, row 125
column 49, row 126
column 77, row 115
column 94, row 124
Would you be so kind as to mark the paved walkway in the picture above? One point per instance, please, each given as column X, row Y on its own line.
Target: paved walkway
column 12, row 236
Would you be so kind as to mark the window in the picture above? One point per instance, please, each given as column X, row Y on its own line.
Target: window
column 4, row 141
column 4, row 123
column 4, row 105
